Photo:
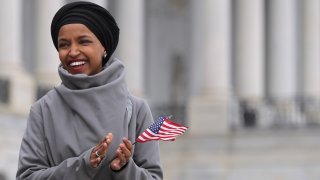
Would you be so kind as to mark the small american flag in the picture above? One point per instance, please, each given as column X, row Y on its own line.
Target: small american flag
column 162, row 129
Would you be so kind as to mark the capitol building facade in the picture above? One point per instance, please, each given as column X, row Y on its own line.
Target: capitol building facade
column 215, row 65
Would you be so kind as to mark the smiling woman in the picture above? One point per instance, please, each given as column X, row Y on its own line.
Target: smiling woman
column 80, row 51
column 83, row 128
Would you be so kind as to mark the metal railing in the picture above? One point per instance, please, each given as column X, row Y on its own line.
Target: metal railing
column 275, row 114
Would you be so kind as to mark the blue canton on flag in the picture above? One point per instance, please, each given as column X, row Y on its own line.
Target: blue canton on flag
column 155, row 127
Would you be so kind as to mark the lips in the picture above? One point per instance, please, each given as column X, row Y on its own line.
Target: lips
column 77, row 66
column 76, row 63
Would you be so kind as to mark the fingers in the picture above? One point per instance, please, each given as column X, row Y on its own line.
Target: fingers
column 100, row 151
column 120, row 161
column 123, row 154
column 115, row 164
column 109, row 138
column 95, row 162
column 97, row 154
column 125, row 150
column 128, row 144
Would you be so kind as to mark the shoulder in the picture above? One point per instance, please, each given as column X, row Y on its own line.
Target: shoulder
column 141, row 113
column 139, row 104
column 49, row 98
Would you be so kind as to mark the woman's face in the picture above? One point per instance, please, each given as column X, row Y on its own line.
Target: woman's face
column 80, row 51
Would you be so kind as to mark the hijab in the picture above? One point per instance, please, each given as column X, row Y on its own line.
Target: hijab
column 95, row 17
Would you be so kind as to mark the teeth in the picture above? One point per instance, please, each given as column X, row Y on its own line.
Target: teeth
column 77, row 63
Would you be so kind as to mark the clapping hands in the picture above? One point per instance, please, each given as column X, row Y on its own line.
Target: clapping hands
column 122, row 156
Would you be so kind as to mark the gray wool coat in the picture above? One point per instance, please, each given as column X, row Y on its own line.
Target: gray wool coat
column 71, row 119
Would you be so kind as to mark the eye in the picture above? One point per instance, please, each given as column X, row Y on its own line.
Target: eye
column 63, row 45
column 84, row 42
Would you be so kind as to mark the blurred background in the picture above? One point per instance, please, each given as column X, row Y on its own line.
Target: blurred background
column 244, row 75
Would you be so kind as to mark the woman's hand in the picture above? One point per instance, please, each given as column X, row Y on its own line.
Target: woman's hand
column 123, row 154
column 100, row 151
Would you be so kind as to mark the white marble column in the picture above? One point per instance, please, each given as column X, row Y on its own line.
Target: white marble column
column 47, row 56
column 249, row 59
column 311, row 49
column 249, row 51
column 130, row 50
column 311, row 60
column 282, row 35
column 208, row 109
column 20, row 83
column 283, row 53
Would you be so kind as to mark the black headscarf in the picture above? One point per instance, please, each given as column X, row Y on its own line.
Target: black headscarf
column 95, row 17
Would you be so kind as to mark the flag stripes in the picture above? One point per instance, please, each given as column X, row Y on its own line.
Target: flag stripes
column 162, row 129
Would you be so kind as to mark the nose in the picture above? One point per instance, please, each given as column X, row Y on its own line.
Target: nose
column 74, row 51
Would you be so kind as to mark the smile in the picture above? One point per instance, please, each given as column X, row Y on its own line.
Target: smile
column 77, row 63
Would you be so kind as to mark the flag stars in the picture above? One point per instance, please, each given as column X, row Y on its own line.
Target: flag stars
column 155, row 127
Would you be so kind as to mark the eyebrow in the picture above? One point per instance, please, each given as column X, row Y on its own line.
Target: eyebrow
column 84, row 36
column 80, row 37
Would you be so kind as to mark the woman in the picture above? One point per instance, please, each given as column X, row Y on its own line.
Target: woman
column 84, row 128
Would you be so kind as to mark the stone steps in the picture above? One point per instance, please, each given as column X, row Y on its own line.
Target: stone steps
column 281, row 154
column 284, row 155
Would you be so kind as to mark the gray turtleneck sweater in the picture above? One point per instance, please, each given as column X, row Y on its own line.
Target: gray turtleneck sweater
column 71, row 119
